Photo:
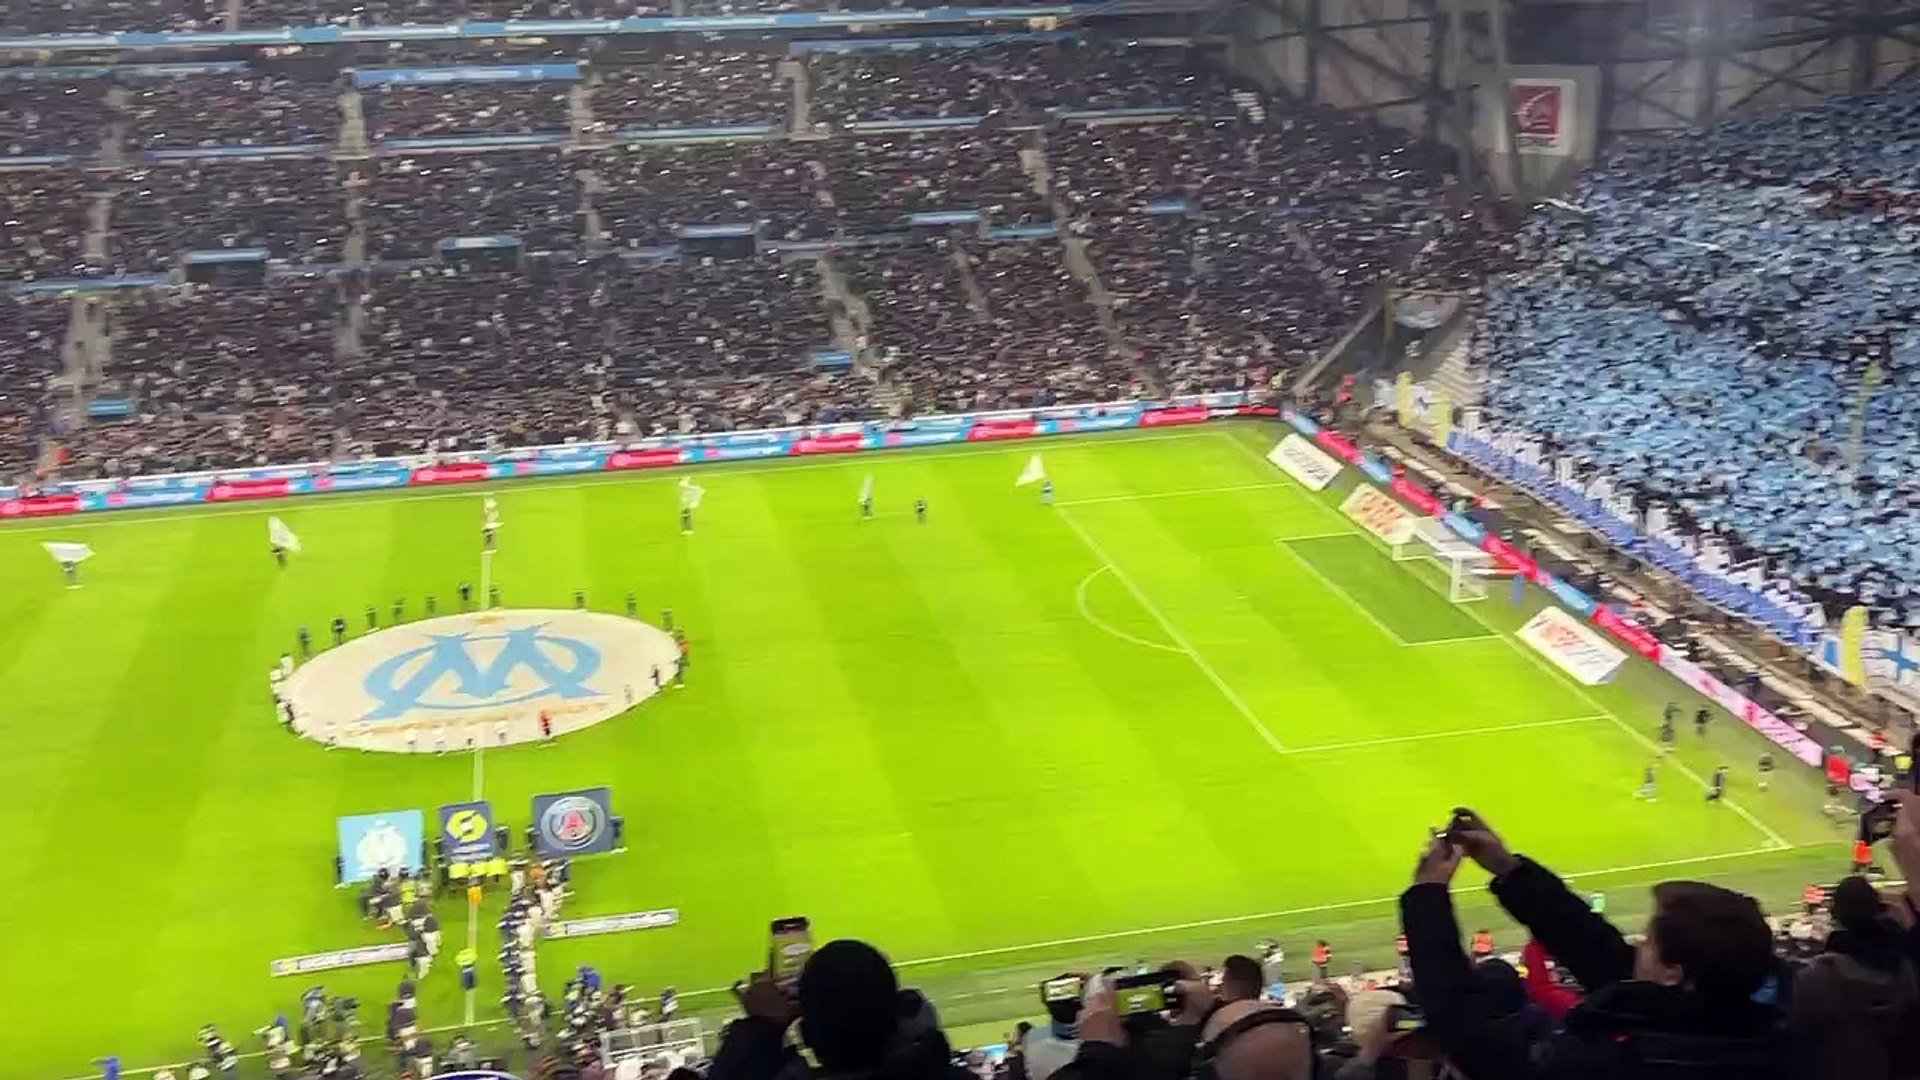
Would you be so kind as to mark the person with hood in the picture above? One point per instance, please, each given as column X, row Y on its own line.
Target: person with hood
column 1679, row 1005
column 852, row 1015
column 1856, row 1007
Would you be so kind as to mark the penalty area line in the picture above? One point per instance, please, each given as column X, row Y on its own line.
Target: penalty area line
column 1173, row 633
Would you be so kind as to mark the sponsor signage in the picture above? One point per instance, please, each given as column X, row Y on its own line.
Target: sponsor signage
column 1193, row 414
column 987, row 430
column 370, row 843
column 1543, row 116
column 1572, row 647
column 389, row 953
column 466, row 832
column 1304, row 462
column 573, row 822
column 1377, row 512
column 613, row 924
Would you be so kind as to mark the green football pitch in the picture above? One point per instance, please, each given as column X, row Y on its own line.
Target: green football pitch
column 1188, row 707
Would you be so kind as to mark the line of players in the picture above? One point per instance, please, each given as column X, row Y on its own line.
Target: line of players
column 1877, row 778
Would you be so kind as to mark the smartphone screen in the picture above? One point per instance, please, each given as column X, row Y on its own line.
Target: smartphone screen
column 1065, row 988
column 1138, row 994
column 791, row 945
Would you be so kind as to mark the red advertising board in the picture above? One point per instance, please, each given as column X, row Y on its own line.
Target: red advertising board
column 1337, row 446
column 461, row 472
column 1636, row 637
column 234, row 490
column 1002, row 429
column 1193, row 414
column 845, row 442
column 644, row 459
column 1422, row 499
column 40, row 506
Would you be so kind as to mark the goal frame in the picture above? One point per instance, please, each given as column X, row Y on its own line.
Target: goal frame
column 1468, row 568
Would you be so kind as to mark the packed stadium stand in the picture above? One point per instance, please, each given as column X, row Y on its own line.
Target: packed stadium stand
column 1709, row 317
column 1208, row 240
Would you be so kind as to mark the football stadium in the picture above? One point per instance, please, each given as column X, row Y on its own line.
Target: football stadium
column 1363, row 539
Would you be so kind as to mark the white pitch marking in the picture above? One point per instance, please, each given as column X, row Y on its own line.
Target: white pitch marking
column 1080, row 597
column 1173, row 634
column 1459, row 733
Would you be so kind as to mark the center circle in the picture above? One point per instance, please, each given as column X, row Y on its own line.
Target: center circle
column 479, row 679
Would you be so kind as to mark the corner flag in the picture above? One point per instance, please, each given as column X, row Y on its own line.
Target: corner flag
column 280, row 536
column 866, row 489
column 1033, row 473
column 490, row 512
column 67, row 553
column 690, row 493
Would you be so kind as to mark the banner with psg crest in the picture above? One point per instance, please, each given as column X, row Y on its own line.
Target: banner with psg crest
column 572, row 823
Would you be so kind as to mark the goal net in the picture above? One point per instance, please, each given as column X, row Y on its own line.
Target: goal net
column 1468, row 569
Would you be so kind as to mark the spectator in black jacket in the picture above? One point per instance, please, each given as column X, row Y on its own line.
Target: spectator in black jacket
column 1856, row 1007
column 1679, row 1005
column 853, row 1016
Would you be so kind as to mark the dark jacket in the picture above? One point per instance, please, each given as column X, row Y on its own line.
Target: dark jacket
column 1856, row 1010
column 1165, row 1052
column 756, row 1049
column 1624, row 1030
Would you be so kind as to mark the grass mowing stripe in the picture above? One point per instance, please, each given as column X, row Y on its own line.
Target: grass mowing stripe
column 1454, row 734
column 1173, row 634
column 1340, row 591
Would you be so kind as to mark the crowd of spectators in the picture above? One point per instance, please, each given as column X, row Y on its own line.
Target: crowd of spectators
column 1017, row 79
column 1268, row 233
column 238, row 109
column 1712, row 323
column 32, row 333
column 294, row 208
column 876, row 180
column 693, row 89
column 443, row 110
column 66, row 16
column 43, row 117
column 1025, row 334
column 43, row 221
column 414, row 202
column 1700, row 991
column 644, row 194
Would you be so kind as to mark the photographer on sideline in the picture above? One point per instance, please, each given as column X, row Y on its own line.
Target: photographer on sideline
column 1679, row 1005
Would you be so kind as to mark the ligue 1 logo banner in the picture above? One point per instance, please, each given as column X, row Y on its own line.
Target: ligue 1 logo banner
column 466, row 832
column 370, row 843
column 573, row 822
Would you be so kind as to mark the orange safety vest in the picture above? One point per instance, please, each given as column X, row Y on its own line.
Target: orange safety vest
column 1813, row 895
column 1322, row 955
column 1862, row 853
column 1483, row 944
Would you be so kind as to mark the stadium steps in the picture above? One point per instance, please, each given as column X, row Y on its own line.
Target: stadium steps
column 230, row 17
column 354, row 251
column 113, row 139
column 800, row 116
column 580, row 125
column 1456, row 374
column 594, row 229
column 858, row 315
column 93, row 247
column 969, row 285
column 353, row 123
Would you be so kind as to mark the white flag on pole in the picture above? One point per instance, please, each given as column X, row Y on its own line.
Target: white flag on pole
column 491, row 512
column 1033, row 473
column 280, row 536
column 690, row 493
column 67, row 553
column 866, row 490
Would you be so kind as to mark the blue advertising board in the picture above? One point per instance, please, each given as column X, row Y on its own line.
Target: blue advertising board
column 466, row 832
column 370, row 843
column 571, row 823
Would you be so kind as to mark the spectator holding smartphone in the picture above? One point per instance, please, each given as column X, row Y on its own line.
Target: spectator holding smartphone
column 1678, row 1004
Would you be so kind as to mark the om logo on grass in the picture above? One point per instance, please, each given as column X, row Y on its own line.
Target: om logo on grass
column 477, row 679
column 453, row 672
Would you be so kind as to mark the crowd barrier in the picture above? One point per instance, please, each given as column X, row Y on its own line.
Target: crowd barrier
column 1806, row 744
column 244, row 485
